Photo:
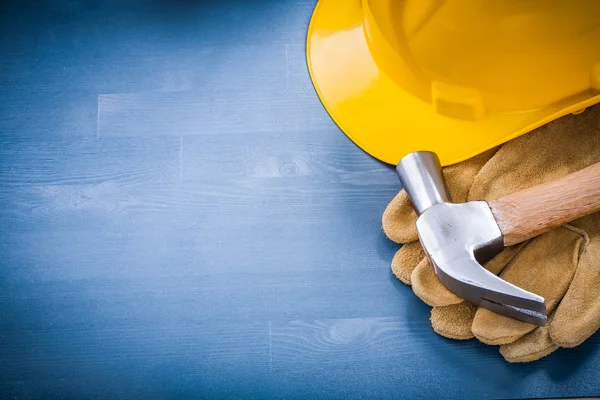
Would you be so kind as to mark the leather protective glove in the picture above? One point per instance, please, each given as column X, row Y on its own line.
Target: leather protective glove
column 562, row 265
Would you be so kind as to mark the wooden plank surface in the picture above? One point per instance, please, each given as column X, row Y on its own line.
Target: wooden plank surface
column 180, row 218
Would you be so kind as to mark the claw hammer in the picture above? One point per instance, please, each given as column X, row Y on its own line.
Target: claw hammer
column 458, row 238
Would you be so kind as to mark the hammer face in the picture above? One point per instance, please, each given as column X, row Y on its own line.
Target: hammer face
column 456, row 238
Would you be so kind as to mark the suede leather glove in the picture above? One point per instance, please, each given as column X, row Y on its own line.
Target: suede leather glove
column 562, row 265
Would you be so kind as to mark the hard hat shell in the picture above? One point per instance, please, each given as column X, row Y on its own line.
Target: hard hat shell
column 456, row 77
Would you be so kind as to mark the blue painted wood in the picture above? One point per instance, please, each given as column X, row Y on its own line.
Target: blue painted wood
column 180, row 218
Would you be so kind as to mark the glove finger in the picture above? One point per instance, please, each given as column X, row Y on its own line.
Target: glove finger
column 546, row 267
column 429, row 288
column 406, row 259
column 399, row 219
column 454, row 321
column 504, row 258
column 531, row 347
column 578, row 315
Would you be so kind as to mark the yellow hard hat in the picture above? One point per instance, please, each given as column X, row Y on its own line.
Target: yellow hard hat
column 456, row 77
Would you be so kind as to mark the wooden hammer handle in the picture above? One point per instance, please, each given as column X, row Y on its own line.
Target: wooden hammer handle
column 531, row 212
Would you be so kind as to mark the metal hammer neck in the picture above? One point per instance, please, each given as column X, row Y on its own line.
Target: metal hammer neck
column 421, row 176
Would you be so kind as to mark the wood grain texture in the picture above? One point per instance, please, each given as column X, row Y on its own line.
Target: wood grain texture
column 180, row 218
column 261, row 109
column 531, row 212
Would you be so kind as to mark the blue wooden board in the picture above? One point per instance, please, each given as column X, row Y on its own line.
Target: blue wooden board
column 180, row 218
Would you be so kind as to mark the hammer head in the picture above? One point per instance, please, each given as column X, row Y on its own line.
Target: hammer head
column 457, row 238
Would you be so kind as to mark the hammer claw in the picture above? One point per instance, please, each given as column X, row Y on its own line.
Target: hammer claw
column 470, row 281
column 522, row 314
